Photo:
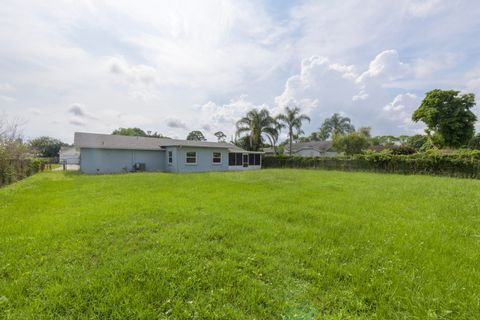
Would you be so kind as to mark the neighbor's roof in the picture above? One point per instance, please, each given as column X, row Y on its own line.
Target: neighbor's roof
column 321, row 146
column 108, row 141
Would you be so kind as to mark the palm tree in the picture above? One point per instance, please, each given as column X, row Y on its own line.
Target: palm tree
column 293, row 121
column 257, row 125
column 220, row 136
column 337, row 125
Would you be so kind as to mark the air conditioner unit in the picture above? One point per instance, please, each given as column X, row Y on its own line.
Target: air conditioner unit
column 139, row 166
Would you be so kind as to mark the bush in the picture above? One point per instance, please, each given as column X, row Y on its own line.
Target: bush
column 475, row 142
column 465, row 163
column 352, row 143
column 416, row 141
column 17, row 169
column 402, row 150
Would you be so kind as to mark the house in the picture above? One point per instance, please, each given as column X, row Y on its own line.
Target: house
column 268, row 151
column 312, row 149
column 104, row 153
column 69, row 155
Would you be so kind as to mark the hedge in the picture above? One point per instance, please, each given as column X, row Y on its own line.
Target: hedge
column 15, row 170
column 459, row 165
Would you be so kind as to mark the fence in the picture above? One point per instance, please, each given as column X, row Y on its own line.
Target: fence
column 12, row 170
column 429, row 165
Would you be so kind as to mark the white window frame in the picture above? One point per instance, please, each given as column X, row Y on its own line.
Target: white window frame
column 186, row 157
column 170, row 157
column 213, row 158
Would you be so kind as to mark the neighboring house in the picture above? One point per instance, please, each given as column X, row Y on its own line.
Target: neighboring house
column 269, row 151
column 69, row 155
column 312, row 149
column 104, row 153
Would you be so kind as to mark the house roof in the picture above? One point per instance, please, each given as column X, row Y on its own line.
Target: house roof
column 108, row 141
column 320, row 146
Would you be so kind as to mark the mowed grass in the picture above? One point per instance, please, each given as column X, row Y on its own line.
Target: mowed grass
column 270, row 244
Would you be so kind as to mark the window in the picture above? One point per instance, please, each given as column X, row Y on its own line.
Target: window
column 245, row 160
column 238, row 159
column 217, row 158
column 251, row 159
column 231, row 159
column 191, row 158
column 170, row 157
column 257, row 160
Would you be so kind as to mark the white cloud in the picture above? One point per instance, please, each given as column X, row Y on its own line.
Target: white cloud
column 7, row 98
column 175, row 123
column 79, row 111
column 224, row 117
column 139, row 63
column 6, row 87
column 323, row 87
column 386, row 66
column 423, row 8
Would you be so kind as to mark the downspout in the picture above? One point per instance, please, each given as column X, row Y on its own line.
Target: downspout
column 176, row 156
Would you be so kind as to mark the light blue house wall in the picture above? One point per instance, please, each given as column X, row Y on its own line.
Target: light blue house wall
column 106, row 153
column 204, row 159
column 116, row 160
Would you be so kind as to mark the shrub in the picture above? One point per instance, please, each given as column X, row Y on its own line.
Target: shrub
column 475, row 142
column 403, row 149
column 465, row 163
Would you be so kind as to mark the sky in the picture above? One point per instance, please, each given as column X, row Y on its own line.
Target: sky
column 177, row 66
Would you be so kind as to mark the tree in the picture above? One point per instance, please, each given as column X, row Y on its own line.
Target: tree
column 384, row 140
column 417, row 141
column 220, row 136
column 137, row 132
column 352, row 143
column 292, row 120
column 196, row 136
column 336, row 125
column 475, row 142
column 257, row 125
column 447, row 114
column 11, row 142
column 129, row 132
column 365, row 131
column 321, row 135
column 46, row 146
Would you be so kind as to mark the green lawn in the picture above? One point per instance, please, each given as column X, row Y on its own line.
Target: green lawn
column 270, row 244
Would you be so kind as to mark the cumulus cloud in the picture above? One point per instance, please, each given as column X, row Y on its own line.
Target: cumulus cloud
column 423, row 8
column 385, row 66
column 79, row 111
column 224, row 116
column 323, row 87
column 6, row 87
column 7, row 98
column 132, row 73
column 319, row 82
column 141, row 64
column 176, row 123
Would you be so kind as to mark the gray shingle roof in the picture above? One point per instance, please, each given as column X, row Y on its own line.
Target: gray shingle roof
column 108, row 141
column 320, row 146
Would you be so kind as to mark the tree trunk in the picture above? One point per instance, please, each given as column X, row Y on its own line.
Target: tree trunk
column 290, row 133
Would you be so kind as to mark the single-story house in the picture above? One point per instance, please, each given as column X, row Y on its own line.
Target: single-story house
column 69, row 155
column 105, row 153
column 312, row 149
column 270, row 151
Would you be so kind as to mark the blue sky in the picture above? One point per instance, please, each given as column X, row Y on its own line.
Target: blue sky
column 173, row 67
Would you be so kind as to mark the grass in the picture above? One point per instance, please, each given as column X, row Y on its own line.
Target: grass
column 270, row 244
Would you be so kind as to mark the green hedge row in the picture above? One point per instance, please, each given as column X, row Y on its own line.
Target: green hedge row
column 464, row 166
column 15, row 170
